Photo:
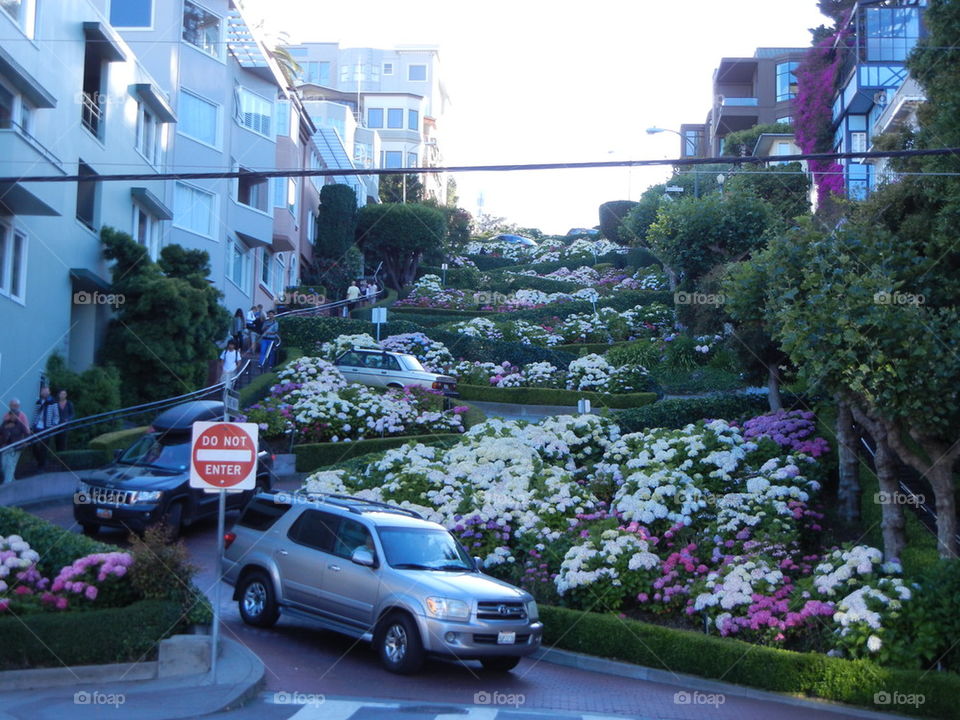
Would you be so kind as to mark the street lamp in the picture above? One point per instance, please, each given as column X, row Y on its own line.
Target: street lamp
column 654, row 130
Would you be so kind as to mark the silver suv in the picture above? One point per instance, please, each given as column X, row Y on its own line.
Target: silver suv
column 379, row 573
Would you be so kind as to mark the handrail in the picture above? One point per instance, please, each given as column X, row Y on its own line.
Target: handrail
column 326, row 306
column 120, row 413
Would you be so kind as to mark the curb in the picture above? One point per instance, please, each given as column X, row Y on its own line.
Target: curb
column 591, row 663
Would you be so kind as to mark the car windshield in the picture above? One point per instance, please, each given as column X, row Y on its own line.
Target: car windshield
column 155, row 450
column 423, row 549
column 412, row 363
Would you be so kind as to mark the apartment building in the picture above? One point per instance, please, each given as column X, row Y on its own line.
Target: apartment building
column 94, row 87
column 396, row 93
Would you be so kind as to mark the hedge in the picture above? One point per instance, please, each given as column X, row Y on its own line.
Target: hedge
column 552, row 396
column 683, row 651
column 621, row 301
column 260, row 386
column 91, row 637
column 78, row 459
column 57, row 547
column 364, row 313
column 587, row 348
column 108, row 443
column 489, row 262
column 677, row 413
column 312, row 456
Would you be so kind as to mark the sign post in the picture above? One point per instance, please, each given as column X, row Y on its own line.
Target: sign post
column 223, row 458
column 378, row 317
column 583, row 406
column 443, row 269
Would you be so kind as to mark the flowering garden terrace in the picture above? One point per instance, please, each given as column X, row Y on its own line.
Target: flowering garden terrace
column 715, row 528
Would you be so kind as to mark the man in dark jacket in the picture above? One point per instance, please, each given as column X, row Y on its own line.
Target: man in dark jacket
column 46, row 415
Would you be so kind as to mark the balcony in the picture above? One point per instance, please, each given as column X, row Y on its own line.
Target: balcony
column 91, row 113
column 739, row 102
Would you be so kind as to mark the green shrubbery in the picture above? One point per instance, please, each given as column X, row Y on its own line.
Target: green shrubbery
column 108, row 443
column 57, row 547
column 312, row 456
column 696, row 380
column 621, row 301
column 678, row 413
column 857, row 682
column 553, row 396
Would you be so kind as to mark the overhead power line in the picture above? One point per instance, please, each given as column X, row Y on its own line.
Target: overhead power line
column 344, row 172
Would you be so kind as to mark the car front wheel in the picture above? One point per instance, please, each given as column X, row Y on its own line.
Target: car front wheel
column 257, row 604
column 398, row 643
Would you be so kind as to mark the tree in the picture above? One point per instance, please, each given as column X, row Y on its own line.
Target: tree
column 742, row 142
column 165, row 331
column 612, row 214
column 399, row 235
column 401, row 188
column 458, row 226
column 786, row 188
column 336, row 220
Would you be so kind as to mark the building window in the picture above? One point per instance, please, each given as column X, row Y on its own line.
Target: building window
column 691, row 143
column 283, row 117
column 311, row 228
column 7, row 108
column 254, row 112
column 395, row 118
column 375, row 117
column 417, row 72
column 388, row 68
column 786, row 81
column 253, row 192
column 315, row 72
column 146, row 230
column 413, row 120
column 23, row 13
column 891, row 33
column 279, row 271
column 13, row 260
column 193, row 209
column 411, row 159
column 858, row 142
column 786, row 120
column 292, row 195
column 279, row 192
column 783, row 148
column 131, row 13
column 266, row 260
column 201, row 28
column 92, row 96
column 87, row 196
column 239, row 265
column 197, row 118
column 149, row 135
column 316, row 164
column 392, row 159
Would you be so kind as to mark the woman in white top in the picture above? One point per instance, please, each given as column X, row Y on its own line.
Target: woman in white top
column 229, row 363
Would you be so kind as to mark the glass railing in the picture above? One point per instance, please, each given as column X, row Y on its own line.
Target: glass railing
column 740, row 102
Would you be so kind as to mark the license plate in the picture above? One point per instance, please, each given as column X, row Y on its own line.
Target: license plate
column 506, row 638
column 105, row 513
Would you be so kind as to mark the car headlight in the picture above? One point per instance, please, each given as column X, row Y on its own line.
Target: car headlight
column 447, row 608
column 532, row 613
column 147, row 496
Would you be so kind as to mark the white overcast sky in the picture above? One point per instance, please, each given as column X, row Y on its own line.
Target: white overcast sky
column 534, row 81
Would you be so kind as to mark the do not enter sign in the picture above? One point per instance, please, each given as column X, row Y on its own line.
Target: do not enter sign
column 223, row 456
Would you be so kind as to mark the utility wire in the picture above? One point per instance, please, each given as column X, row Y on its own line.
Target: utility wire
column 344, row 172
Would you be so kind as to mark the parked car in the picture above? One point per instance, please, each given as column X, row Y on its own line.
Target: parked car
column 592, row 232
column 515, row 239
column 378, row 573
column 149, row 482
column 380, row 368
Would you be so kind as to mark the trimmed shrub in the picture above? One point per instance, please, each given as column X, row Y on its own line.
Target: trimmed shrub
column 612, row 214
column 57, row 547
column 697, row 380
column 678, row 413
column 78, row 459
column 488, row 262
column 599, row 348
column 463, row 277
column 857, row 682
column 620, row 301
column 553, row 396
column 313, row 456
column 110, row 442
column 260, row 386
column 95, row 637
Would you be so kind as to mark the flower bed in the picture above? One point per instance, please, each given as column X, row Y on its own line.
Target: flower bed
column 589, row 373
column 553, row 396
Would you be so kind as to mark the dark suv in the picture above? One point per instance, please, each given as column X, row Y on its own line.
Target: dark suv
column 378, row 573
column 150, row 481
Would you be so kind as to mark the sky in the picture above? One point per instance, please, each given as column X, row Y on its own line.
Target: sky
column 534, row 82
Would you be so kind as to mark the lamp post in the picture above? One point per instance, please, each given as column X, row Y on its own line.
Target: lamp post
column 696, row 176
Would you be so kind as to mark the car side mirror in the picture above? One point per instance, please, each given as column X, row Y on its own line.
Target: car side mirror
column 117, row 453
column 477, row 563
column 363, row 556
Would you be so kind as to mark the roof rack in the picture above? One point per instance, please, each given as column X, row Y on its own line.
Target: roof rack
column 355, row 505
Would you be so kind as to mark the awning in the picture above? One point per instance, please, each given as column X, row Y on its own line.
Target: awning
column 84, row 279
column 155, row 101
column 108, row 43
column 152, row 203
column 15, row 199
column 25, row 82
column 251, row 241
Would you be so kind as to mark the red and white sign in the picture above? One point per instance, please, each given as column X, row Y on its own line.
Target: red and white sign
column 223, row 456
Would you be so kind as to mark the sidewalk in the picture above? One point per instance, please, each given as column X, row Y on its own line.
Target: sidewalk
column 96, row 691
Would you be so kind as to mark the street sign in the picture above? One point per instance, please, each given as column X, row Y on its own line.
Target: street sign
column 379, row 315
column 223, row 456
column 583, row 406
column 232, row 400
column 673, row 188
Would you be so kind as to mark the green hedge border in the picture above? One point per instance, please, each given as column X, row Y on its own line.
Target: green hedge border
column 587, row 348
column 313, row 456
column 110, row 442
column 682, row 651
column 260, row 386
column 553, row 396
column 90, row 637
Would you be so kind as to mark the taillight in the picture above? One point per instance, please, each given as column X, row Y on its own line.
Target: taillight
column 228, row 539
column 437, row 385
column 273, row 458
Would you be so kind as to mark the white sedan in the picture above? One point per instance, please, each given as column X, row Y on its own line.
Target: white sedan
column 389, row 369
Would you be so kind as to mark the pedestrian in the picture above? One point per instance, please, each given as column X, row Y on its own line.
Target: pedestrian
column 353, row 294
column 46, row 416
column 65, row 411
column 229, row 363
column 254, row 323
column 269, row 341
column 372, row 292
column 13, row 428
column 363, row 292
column 237, row 326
